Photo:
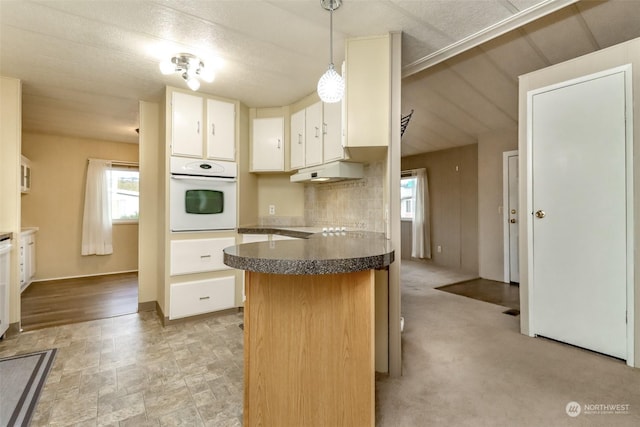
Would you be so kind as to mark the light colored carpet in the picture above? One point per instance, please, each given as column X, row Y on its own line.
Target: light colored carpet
column 466, row 364
column 21, row 380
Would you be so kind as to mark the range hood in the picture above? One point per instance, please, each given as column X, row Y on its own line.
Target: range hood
column 329, row 172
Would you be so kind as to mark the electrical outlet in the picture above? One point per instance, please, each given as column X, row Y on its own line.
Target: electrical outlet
column 439, row 249
column 272, row 209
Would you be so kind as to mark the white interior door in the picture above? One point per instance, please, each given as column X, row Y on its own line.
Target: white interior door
column 511, row 214
column 579, row 206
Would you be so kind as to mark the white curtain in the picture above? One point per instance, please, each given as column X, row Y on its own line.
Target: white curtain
column 96, row 221
column 421, row 230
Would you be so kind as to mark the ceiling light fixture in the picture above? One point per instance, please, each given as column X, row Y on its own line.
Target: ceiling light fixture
column 331, row 84
column 190, row 67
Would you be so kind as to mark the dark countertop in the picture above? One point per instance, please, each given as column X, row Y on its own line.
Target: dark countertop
column 299, row 232
column 314, row 253
column 5, row 236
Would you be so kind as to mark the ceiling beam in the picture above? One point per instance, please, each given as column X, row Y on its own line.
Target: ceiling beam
column 511, row 23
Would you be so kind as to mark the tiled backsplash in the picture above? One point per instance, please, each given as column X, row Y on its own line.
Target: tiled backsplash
column 353, row 204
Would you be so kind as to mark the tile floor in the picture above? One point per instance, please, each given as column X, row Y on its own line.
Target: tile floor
column 130, row 371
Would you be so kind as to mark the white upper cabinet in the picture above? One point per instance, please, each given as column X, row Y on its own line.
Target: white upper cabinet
column 186, row 125
column 332, row 122
column 297, row 144
column 221, row 130
column 368, row 66
column 267, row 145
column 313, row 135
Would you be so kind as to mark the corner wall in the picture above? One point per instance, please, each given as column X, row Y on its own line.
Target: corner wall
column 10, row 147
column 452, row 177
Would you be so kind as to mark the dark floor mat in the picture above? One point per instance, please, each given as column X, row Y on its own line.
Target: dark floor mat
column 504, row 294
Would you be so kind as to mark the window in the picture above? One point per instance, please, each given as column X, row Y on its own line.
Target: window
column 125, row 194
column 407, row 197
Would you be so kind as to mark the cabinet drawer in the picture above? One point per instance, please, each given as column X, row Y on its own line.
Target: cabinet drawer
column 202, row 296
column 198, row 255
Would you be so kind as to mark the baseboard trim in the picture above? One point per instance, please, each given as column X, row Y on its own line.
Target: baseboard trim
column 166, row 321
column 13, row 330
column 85, row 275
column 147, row 306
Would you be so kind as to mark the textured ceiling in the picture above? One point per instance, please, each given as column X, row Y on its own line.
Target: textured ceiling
column 85, row 65
column 477, row 91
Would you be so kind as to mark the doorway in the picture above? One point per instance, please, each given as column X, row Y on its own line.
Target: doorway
column 580, row 232
column 510, row 212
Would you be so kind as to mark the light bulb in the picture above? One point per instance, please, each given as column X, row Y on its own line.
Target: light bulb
column 206, row 74
column 331, row 86
column 167, row 67
column 193, row 83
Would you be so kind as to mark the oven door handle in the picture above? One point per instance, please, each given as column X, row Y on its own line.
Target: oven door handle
column 202, row 178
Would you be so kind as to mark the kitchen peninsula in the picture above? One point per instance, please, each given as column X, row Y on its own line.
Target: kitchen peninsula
column 309, row 327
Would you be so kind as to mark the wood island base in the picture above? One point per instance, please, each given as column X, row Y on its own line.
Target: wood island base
column 309, row 350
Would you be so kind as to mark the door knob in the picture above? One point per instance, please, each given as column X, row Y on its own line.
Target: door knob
column 512, row 220
column 540, row 214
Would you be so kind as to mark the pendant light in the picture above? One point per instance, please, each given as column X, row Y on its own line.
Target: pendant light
column 331, row 84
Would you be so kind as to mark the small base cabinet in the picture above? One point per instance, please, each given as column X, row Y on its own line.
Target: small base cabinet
column 309, row 350
column 202, row 296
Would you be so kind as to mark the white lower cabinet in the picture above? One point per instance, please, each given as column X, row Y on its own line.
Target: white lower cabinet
column 198, row 255
column 27, row 259
column 202, row 296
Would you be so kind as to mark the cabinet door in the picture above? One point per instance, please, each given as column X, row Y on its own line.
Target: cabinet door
column 268, row 144
column 186, row 125
column 198, row 255
column 313, row 140
column 332, row 144
column 297, row 139
column 221, row 130
column 367, row 111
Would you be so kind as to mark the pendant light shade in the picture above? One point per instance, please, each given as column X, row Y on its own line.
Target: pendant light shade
column 331, row 84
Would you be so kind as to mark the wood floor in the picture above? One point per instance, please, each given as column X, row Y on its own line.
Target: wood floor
column 61, row 302
column 504, row 294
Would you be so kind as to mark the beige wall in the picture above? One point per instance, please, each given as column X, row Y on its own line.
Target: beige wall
column 490, row 221
column 150, row 241
column 625, row 53
column 287, row 197
column 10, row 140
column 55, row 205
column 453, row 191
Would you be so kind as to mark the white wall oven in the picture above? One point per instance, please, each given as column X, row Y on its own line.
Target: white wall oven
column 202, row 195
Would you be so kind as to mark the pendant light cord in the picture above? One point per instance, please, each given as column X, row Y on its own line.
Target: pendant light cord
column 331, row 34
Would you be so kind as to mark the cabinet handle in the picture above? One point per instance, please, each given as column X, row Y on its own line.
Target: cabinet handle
column 324, row 128
column 198, row 127
column 299, row 138
column 317, row 129
column 205, row 256
column 213, row 129
column 30, row 243
column 203, row 298
column 278, row 143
